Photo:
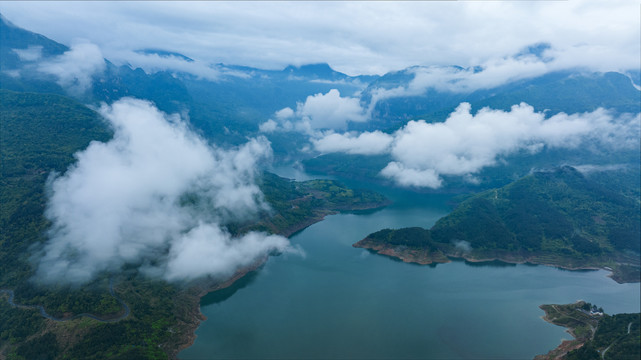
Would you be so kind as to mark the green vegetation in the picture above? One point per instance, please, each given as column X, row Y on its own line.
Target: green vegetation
column 39, row 134
column 596, row 336
column 558, row 217
column 410, row 237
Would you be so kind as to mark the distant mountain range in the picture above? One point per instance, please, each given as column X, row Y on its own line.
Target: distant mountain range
column 249, row 96
column 229, row 108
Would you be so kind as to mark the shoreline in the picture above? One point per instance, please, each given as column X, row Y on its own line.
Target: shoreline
column 194, row 294
column 566, row 345
column 425, row 257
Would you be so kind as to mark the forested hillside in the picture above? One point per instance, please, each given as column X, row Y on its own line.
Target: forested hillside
column 558, row 217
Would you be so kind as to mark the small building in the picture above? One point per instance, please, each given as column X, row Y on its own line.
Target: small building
column 594, row 311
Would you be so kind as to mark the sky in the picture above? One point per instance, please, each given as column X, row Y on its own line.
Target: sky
column 353, row 37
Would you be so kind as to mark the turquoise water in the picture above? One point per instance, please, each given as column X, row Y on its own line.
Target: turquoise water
column 339, row 302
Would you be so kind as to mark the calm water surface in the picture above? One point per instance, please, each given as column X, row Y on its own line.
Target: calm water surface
column 339, row 302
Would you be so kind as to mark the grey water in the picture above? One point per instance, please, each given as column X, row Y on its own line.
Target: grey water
column 340, row 302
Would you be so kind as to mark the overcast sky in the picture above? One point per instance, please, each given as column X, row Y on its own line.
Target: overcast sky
column 353, row 37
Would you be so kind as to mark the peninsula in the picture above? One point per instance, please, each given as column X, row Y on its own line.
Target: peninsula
column 559, row 218
column 596, row 334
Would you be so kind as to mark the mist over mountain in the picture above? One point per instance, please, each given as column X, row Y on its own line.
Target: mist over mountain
column 302, row 110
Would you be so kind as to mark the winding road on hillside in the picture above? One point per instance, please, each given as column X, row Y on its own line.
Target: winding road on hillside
column 609, row 346
column 44, row 313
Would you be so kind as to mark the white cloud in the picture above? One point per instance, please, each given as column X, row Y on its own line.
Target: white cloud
column 76, row 67
column 268, row 126
column 31, row 53
column 330, row 111
column 210, row 250
column 284, row 113
column 463, row 245
column 412, row 177
column 590, row 168
column 155, row 194
column 318, row 112
column 466, row 143
column 368, row 143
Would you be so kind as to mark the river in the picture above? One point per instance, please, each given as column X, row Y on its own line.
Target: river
column 339, row 302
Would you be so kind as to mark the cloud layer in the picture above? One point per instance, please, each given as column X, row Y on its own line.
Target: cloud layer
column 353, row 37
column 466, row 143
column 156, row 196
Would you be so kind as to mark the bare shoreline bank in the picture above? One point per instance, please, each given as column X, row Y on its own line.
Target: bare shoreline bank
column 426, row 257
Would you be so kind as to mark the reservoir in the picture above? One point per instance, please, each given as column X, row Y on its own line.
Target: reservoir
column 340, row 302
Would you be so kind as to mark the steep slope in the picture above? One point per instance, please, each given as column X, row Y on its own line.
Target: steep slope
column 39, row 134
column 14, row 38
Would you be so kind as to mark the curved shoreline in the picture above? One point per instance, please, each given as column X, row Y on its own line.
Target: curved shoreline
column 44, row 313
column 424, row 257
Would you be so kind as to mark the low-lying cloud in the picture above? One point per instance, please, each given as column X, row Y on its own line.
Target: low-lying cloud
column 156, row 196
column 492, row 73
column 590, row 168
column 153, row 63
column 319, row 111
column 466, row 143
column 31, row 53
column 463, row 245
column 75, row 68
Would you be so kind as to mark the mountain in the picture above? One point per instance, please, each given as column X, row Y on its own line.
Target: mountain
column 21, row 49
column 14, row 38
column 165, row 54
column 225, row 109
column 314, row 71
column 559, row 217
